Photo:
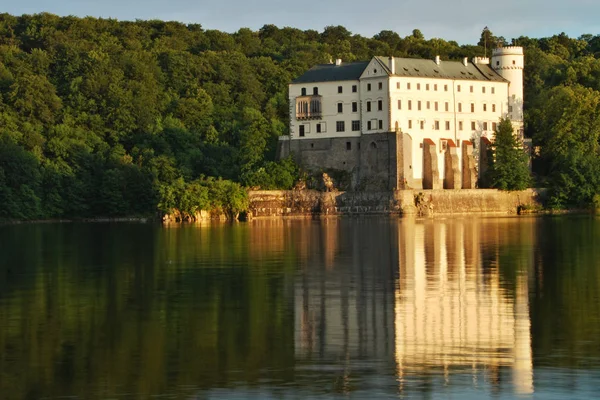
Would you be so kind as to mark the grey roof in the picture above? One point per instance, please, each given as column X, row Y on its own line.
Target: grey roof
column 416, row 67
column 331, row 72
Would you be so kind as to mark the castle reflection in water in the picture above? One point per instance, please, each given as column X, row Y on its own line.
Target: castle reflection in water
column 444, row 298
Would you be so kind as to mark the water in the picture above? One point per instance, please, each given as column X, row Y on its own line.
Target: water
column 337, row 308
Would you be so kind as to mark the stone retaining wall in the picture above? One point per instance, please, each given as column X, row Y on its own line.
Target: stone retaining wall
column 279, row 203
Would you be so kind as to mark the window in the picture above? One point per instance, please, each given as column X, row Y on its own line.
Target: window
column 483, row 89
column 303, row 91
column 493, row 108
column 380, row 124
column 436, row 125
column 460, row 125
column 458, row 88
column 509, row 109
column 418, row 86
column 494, row 126
column 471, row 89
column 485, row 107
column 354, row 88
column 355, row 126
column 485, row 126
column 318, row 128
column 397, row 85
column 447, row 125
column 340, row 107
column 380, row 85
column 368, row 125
column 409, row 124
column 399, row 104
column 497, row 63
column 459, row 107
column 354, row 106
column 340, row 90
column 446, row 106
column 493, row 90
column 368, row 87
column 340, row 126
column 301, row 130
column 428, row 105
column 410, row 104
column 472, row 107
column 436, row 106
column 514, row 62
column 419, row 105
column 422, row 125
column 348, row 145
column 473, row 125
column 427, row 86
column 435, row 87
column 315, row 91
column 446, row 88
column 380, row 105
column 368, row 106
column 408, row 85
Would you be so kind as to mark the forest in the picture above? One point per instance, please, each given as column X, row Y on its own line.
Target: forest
column 108, row 118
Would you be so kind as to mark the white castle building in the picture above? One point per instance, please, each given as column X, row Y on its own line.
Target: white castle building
column 397, row 123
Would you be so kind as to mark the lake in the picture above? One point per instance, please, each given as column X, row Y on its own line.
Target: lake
column 465, row 308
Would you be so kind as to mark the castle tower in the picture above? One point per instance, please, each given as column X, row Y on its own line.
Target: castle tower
column 509, row 63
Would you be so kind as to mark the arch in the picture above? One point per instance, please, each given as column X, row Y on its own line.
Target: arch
column 373, row 145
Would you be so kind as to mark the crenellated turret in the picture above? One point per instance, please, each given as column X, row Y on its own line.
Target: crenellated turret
column 509, row 62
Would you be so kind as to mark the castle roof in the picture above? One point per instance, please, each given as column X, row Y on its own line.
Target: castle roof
column 416, row 67
column 331, row 72
column 407, row 67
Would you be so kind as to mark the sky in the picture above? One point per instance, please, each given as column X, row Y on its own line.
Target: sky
column 459, row 20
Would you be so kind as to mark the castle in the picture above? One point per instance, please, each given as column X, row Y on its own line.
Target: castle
column 397, row 123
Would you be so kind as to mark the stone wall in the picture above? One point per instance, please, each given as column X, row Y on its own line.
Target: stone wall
column 424, row 202
column 374, row 160
column 290, row 203
column 469, row 201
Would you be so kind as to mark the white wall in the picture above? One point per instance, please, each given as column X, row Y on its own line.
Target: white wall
column 329, row 111
column 453, row 99
column 374, row 89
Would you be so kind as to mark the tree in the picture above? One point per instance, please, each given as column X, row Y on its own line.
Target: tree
column 508, row 168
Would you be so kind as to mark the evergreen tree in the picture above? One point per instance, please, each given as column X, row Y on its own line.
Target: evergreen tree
column 508, row 168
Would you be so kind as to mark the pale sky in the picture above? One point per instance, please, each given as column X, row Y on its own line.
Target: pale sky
column 460, row 20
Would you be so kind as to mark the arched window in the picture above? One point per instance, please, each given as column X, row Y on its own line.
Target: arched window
column 373, row 145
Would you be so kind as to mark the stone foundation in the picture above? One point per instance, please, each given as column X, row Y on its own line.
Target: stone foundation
column 304, row 203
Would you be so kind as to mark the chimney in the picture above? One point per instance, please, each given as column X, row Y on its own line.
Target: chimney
column 338, row 61
column 466, row 61
column 392, row 65
column 437, row 60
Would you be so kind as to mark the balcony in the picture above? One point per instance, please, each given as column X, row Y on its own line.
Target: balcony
column 308, row 107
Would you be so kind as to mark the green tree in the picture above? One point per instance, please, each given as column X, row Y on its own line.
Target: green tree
column 508, row 169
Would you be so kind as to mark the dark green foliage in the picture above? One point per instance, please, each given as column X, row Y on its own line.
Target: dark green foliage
column 209, row 194
column 575, row 179
column 508, row 169
column 273, row 175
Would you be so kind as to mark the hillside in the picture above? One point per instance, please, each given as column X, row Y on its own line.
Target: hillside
column 106, row 118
